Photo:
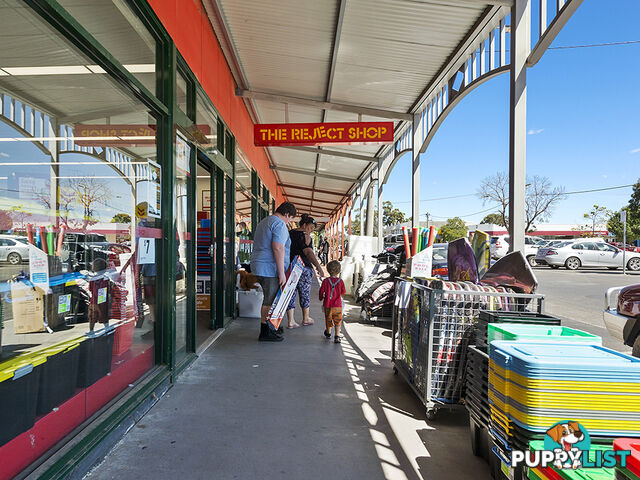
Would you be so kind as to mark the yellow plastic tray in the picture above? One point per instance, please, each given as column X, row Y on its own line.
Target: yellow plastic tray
column 589, row 423
column 576, row 387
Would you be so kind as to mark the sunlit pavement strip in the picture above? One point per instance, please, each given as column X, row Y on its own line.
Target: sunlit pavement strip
column 403, row 427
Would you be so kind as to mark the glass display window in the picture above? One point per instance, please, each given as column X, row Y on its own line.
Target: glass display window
column 80, row 235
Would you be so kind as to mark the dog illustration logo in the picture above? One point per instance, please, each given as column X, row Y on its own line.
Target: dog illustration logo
column 569, row 436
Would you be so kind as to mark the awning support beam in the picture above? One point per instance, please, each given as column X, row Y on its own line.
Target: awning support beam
column 342, row 107
column 313, row 174
column 335, row 153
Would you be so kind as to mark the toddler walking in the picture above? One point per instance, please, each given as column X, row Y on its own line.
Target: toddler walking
column 331, row 292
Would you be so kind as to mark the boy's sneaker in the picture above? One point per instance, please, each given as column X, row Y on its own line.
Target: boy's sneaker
column 337, row 339
column 327, row 334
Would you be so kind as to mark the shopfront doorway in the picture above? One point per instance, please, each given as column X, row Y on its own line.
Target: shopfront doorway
column 205, row 250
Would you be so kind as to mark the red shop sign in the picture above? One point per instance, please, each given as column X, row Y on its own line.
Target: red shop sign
column 292, row 134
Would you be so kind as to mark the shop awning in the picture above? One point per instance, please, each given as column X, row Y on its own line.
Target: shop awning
column 357, row 55
column 409, row 61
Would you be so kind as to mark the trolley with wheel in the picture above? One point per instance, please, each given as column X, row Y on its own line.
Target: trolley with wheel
column 432, row 326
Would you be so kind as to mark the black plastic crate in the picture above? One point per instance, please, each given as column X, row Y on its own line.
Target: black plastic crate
column 18, row 401
column 58, row 379
column 95, row 357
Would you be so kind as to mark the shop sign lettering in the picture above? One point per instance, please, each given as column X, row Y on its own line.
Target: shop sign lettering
column 291, row 134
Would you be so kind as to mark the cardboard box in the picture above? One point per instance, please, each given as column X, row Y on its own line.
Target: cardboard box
column 28, row 308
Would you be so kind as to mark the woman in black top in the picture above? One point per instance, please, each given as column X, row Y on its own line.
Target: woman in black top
column 301, row 244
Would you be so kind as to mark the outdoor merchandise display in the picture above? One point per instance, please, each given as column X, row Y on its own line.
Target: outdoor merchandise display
column 481, row 251
column 433, row 325
column 279, row 307
column 476, row 393
column 461, row 261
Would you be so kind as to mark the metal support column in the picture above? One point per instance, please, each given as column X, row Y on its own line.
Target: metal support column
column 370, row 214
column 342, row 234
column 379, row 227
column 361, row 232
column 415, row 175
column 520, row 47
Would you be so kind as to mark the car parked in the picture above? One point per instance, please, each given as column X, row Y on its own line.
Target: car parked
column 13, row 249
column 499, row 247
column 622, row 315
column 591, row 253
column 93, row 251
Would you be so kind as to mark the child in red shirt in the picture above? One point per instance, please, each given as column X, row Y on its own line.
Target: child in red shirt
column 331, row 292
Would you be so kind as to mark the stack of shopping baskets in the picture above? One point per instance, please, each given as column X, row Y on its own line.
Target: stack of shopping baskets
column 433, row 326
column 533, row 385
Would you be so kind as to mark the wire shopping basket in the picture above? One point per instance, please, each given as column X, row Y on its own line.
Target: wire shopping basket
column 432, row 328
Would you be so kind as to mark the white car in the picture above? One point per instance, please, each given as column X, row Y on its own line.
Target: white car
column 13, row 249
column 583, row 253
column 499, row 247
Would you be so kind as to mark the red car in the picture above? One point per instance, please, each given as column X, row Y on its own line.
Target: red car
column 623, row 318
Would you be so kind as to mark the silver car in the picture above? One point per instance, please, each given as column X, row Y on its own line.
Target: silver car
column 592, row 253
column 13, row 249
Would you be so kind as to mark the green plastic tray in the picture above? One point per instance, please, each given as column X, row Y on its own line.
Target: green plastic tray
column 552, row 333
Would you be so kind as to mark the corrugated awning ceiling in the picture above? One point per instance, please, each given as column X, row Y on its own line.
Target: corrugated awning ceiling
column 372, row 53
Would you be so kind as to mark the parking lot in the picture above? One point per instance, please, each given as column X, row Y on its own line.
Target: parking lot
column 578, row 297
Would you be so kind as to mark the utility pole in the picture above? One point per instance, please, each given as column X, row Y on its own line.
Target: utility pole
column 623, row 217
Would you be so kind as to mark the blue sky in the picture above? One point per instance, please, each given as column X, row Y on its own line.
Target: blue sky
column 583, row 119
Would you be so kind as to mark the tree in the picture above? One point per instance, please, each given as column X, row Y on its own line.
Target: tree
column 540, row 197
column 121, row 218
column 391, row 216
column 355, row 225
column 19, row 215
column 493, row 218
column 453, row 229
column 615, row 226
column 88, row 192
column 597, row 216
column 6, row 222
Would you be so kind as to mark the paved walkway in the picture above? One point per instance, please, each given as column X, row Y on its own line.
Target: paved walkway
column 303, row 408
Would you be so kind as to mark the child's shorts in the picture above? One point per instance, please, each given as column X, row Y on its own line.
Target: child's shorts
column 333, row 316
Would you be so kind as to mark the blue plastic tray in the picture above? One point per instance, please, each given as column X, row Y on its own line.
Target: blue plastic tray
column 574, row 360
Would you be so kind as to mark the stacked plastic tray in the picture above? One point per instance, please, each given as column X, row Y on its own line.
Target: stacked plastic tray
column 477, row 372
column 538, row 384
column 532, row 386
column 487, row 317
column 631, row 471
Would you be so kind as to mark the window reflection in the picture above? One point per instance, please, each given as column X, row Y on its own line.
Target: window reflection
column 79, row 232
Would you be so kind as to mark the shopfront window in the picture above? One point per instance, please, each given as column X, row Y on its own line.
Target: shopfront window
column 120, row 31
column 244, row 239
column 80, row 229
column 207, row 124
column 183, row 241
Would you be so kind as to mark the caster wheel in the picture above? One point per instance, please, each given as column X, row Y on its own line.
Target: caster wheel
column 431, row 414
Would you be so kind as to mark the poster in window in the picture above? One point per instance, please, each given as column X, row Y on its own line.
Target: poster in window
column 153, row 190
column 206, row 200
column 183, row 154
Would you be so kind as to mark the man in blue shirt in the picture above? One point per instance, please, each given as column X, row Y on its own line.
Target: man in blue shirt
column 270, row 260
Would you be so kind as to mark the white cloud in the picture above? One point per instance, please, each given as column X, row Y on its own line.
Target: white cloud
column 535, row 132
column 635, row 150
column 2, row 154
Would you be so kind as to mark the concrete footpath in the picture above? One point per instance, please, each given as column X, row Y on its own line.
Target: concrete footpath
column 304, row 408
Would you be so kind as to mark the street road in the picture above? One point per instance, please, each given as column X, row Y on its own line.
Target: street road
column 578, row 297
